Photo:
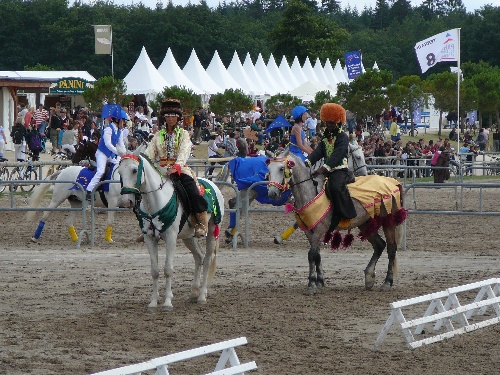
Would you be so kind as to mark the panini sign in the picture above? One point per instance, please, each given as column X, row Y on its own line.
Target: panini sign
column 70, row 86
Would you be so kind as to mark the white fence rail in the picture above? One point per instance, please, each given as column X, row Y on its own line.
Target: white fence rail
column 228, row 356
column 451, row 316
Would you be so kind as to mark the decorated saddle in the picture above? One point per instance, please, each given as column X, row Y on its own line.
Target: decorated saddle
column 86, row 175
column 246, row 171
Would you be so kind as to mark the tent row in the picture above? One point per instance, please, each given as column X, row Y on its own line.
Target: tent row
column 259, row 79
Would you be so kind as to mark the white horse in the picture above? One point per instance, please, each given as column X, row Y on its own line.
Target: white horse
column 76, row 198
column 356, row 160
column 161, row 216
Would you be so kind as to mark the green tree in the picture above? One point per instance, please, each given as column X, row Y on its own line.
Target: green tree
column 407, row 93
column 231, row 102
column 107, row 90
column 281, row 104
column 190, row 101
column 443, row 88
column 366, row 95
column 321, row 98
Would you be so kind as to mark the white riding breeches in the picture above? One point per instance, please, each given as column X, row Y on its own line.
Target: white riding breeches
column 101, row 161
column 70, row 148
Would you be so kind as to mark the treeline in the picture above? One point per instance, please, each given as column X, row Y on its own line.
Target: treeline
column 59, row 35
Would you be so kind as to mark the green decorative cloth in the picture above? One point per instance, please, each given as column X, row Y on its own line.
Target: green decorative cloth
column 212, row 201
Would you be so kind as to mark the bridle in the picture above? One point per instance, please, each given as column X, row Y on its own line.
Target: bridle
column 136, row 189
column 287, row 174
column 350, row 154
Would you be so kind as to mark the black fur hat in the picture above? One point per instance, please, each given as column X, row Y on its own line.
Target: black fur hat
column 171, row 106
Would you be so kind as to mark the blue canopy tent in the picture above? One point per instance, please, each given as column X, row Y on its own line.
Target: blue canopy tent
column 279, row 122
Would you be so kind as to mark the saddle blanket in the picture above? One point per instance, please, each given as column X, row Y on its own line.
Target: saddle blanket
column 211, row 199
column 246, row 171
column 86, row 175
column 373, row 191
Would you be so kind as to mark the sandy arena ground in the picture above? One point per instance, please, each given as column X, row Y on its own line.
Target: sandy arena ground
column 79, row 311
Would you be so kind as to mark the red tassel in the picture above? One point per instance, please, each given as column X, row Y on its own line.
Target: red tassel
column 388, row 221
column 336, row 240
column 400, row 216
column 361, row 236
column 288, row 208
column 216, row 232
column 327, row 237
column 348, row 240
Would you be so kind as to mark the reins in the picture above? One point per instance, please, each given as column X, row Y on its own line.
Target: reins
column 354, row 161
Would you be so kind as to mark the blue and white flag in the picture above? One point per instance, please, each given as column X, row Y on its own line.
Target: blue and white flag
column 438, row 48
column 353, row 64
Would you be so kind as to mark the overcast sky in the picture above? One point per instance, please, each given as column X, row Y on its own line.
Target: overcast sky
column 469, row 4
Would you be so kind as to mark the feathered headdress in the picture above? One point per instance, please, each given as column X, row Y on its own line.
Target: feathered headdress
column 332, row 112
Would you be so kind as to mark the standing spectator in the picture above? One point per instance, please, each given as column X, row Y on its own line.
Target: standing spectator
column 41, row 116
column 394, row 131
column 3, row 141
column 69, row 138
column 351, row 121
column 22, row 112
column 28, row 118
column 197, row 120
column 440, row 170
column 311, row 124
column 481, row 140
column 213, row 152
column 241, row 145
column 17, row 134
column 387, row 119
column 55, row 127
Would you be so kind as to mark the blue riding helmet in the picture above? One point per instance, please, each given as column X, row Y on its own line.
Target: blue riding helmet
column 299, row 111
column 113, row 111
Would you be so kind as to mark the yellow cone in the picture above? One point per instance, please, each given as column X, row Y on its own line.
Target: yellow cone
column 72, row 233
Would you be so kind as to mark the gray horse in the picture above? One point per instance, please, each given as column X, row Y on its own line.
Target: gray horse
column 304, row 189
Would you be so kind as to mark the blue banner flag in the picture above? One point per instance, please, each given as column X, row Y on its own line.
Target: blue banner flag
column 353, row 64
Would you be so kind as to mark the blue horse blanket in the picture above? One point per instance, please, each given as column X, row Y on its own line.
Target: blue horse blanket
column 86, row 175
column 246, row 171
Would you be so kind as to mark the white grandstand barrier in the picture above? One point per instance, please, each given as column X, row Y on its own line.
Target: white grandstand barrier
column 452, row 314
column 228, row 356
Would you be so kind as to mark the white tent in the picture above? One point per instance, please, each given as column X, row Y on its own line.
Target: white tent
column 308, row 90
column 297, row 71
column 217, row 71
column 198, row 75
column 320, row 73
column 273, row 69
column 174, row 75
column 143, row 78
column 268, row 78
column 375, row 66
column 330, row 75
column 309, row 71
column 287, row 74
column 257, row 81
column 339, row 73
column 235, row 69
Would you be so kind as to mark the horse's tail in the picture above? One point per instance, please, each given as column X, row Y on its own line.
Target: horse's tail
column 37, row 196
column 213, row 263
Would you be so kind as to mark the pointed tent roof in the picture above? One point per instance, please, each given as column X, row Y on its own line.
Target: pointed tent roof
column 339, row 73
column 235, row 69
column 197, row 74
column 309, row 71
column 375, row 66
column 287, row 74
column 217, row 71
column 297, row 71
column 255, row 76
column 309, row 89
column 269, row 78
column 273, row 69
column 174, row 75
column 330, row 75
column 143, row 78
column 320, row 72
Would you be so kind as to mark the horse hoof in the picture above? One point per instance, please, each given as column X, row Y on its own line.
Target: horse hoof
column 201, row 302
column 33, row 239
column 385, row 287
column 140, row 238
column 278, row 240
column 167, row 308
column 311, row 291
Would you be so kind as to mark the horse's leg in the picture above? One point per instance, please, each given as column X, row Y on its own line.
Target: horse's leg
column 55, row 202
column 171, row 243
column 193, row 245
column 70, row 220
column 378, row 247
column 152, row 245
column 315, row 269
column 392, row 247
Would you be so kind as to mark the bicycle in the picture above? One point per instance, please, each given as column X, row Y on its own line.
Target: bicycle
column 493, row 167
column 26, row 172
column 4, row 176
column 57, row 157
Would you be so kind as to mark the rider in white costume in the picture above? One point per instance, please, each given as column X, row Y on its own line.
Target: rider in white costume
column 111, row 140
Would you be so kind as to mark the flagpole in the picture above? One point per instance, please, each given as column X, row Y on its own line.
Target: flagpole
column 459, row 74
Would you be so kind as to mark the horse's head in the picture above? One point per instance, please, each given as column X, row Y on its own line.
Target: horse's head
column 280, row 171
column 131, row 169
column 356, row 160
